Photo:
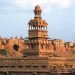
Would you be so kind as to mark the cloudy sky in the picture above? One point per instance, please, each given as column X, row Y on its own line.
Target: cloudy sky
column 60, row 15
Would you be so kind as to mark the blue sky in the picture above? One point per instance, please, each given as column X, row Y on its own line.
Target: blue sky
column 60, row 15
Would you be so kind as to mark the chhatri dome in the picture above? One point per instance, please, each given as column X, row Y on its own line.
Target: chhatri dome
column 37, row 22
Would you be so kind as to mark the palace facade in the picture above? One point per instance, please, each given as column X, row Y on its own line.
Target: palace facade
column 37, row 54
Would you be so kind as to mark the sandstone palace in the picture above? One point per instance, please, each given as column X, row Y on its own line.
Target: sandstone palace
column 37, row 54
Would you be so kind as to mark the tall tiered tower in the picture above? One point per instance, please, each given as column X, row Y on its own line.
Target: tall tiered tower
column 39, row 45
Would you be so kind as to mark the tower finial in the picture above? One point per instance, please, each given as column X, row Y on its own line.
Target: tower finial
column 37, row 11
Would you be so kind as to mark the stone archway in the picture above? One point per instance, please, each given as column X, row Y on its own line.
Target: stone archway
column 53, row 70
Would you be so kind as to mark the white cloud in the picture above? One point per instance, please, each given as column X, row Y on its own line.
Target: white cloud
column 23, row 4
column 46, row 4
column 65, row 3
column 60, row 3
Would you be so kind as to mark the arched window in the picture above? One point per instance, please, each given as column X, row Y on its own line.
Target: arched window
column 15, row 47
column 32, row 46
column 41, row 46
